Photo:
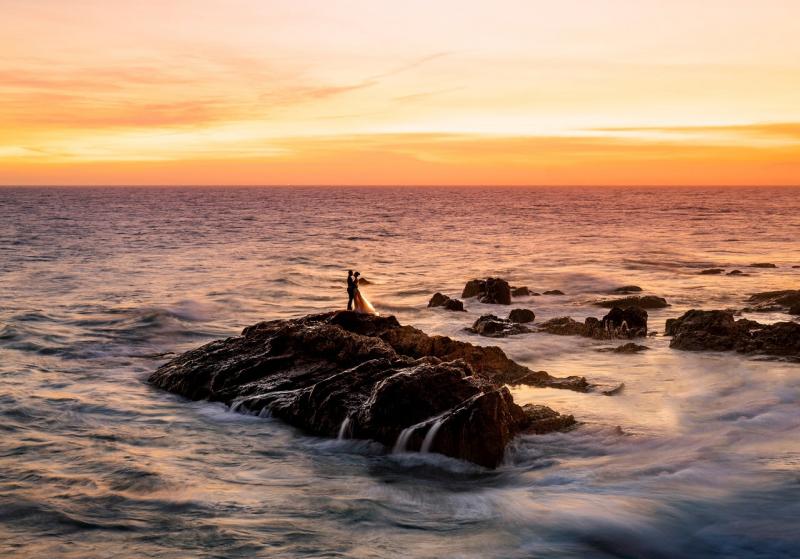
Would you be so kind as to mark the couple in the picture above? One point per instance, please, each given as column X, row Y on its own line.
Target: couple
column 355, row 300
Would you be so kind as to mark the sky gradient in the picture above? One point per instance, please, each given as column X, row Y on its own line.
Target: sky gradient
column 290, row 92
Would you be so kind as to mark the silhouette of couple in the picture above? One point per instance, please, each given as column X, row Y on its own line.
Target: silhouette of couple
column 355, row 299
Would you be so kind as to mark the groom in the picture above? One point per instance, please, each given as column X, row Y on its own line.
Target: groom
column 351, row 289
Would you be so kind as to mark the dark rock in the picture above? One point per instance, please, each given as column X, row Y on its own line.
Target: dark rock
column 628, row 323
column 646, row 302
column 717, row 330
column 493, row 291
column 771, row 301
column 541, row 419
column 370, row 378
column 630, row 347
column 763, row 265
column 736, row 273
column 520, row 291
column 494, row 327
column 521, row 316
column 554, row 292
column 794, row 310
column 711, row 271
column 627, row 289
column 439, row 300
column 454, row 305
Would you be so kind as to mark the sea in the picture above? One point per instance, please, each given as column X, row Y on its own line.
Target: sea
column 697, row 457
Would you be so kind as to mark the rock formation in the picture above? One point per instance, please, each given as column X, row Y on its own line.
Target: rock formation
column 493, row 291
column 521, row 316
column 440, row 300
column 711, row 271
column 368, row 377
column 625, row 289
column 787, row 300
column 645, row 302
column 492, row 326
column 628, row 323
column 698, row 330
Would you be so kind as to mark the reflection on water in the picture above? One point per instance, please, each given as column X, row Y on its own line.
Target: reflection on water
column 697, row 457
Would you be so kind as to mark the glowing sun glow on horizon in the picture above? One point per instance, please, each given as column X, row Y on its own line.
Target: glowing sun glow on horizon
column 349, row 92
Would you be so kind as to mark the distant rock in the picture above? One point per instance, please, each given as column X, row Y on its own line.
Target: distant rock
column 520, row 291
column 786, row 300
column 521, row 316
column 628, row 323
column 625, row 289
column 440, row 300
column 645, row 302
column 736, row 273
column 711, row 271
column 368, row 377
column 763, row 265
column 494, row 327
column 554, row 292
column 630, row 347
column 698, row 330
column 493, row 291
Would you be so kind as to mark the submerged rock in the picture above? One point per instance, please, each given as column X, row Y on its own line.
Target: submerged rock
column 711, row 271
column 493, row 291
column 627, row 289
column 763, row 265
column 521, row 316
column 628, row 323
column 521, row 291
column 554, row 292
column 787, row 300
column 495, row 327
column 368, row 377
column 736, row 273
column 698, row 330
column 440, row 300
column 630, row 347
column 645, row 302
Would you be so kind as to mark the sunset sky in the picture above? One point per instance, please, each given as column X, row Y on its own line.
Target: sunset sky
column 413, row 92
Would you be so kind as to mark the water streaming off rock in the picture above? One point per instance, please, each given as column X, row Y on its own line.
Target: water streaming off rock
column 100, row 286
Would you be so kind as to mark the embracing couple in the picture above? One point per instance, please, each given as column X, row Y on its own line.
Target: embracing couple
column 355, row 299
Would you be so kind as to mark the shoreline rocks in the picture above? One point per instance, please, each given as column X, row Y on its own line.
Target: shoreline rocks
column 521, row 316
column 627, row 289
column 493, row 291
column 787, row 300
column 368, row 377
column 628, row 323
column 644, row 302
column 493, row 326
column 440, row 300
column 698, row 330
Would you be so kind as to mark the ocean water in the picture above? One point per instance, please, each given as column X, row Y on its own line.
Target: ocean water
column 699, row 456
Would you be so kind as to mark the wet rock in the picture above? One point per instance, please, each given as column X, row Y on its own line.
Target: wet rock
column 630, row 347
column 646, row 302
column 716, row 330
column 625, row 289
column 771, row 301
column 520, row 291
column 554, row 292
column 440, row 300
column 711, row 271
column 494, row 327
column 370, row 378
column 763, row 265
column 541, row 419
column 493, row 291
column 736, row 273
column 618, row 323
column 521, row 316
column 794, row 310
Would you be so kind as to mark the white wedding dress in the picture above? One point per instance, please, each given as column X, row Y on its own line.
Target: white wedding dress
column 361, row 304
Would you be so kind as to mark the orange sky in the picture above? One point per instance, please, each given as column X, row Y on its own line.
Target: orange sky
column 413, row 92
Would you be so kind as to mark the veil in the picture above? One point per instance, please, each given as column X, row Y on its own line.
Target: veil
column 362, row 304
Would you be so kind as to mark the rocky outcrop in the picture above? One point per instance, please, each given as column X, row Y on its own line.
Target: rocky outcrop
column 711, row 271
column 716, row 330
column 787, row 300
column 736, row 273
column 368, row 377
column 521, row 292
column 492, row 326
column 521, row 316
column 628, row 323
column 440, row 300
column 554, row 292
column 493, row 291
column 628, row 348
column 645, row 302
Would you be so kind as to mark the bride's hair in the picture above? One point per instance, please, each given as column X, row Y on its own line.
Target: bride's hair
column 357, row 274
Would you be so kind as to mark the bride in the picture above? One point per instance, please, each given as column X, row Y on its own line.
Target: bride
column 361, row 304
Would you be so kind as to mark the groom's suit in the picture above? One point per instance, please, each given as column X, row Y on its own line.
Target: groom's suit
column 351, row 292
